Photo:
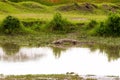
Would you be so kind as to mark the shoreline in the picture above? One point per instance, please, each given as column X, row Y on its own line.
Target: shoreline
column 66, row 76
column 47, row 39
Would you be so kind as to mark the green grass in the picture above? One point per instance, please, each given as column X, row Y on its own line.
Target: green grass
column 110, row 27
column 74, row 18
column 48, row 2
column 8, row 8
column 22, row 7
column 43, row 77
column 46, row 39
column 33, row 6
column 32, row 10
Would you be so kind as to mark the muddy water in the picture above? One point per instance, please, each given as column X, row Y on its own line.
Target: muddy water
column 96, row 60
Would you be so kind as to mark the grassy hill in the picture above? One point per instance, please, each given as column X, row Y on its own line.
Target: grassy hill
column 52, row 2
column 34, row 7
column 11, row 7
column 73, row 11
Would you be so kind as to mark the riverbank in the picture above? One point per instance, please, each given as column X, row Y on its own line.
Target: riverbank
column 58, row 77
column 46, row 39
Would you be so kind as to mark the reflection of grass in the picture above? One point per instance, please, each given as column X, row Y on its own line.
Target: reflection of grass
column 112, row 76
column 57, row 51
column 90, row 79
column 10, row 49
column 112, row 51
column 90, row 75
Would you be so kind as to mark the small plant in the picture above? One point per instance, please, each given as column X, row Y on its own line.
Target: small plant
column 11, row 25
column 59, row 24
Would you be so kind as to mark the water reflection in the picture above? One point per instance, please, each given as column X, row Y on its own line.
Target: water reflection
column 13, row 52
column 112, row 52
column 10, row 48
column 57, row 51
column 87, row 59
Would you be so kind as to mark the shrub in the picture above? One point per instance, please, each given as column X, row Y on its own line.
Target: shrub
column 111, row 27
column 11, row 25
column 59, row 24
column 91, row 25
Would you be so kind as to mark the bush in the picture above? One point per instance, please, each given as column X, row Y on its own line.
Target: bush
column 59, row 24
column 91, row 25
column 11, row 25
column 111, row 27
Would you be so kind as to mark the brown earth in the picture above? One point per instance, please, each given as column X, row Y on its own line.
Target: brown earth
column 110, row 7
column 89, row 7
column 83, row 7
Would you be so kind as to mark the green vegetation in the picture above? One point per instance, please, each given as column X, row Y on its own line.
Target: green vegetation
column 53, row 2
column 59, row 24
column 10, row 49
column 111, row 27
column 90, row 79
column 111, row 51
column 81, row 8
column 21, row 8
column 43, row 77
column 11, row 25
column 92, row 24
column 6, row 7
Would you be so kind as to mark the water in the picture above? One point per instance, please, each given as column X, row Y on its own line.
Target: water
column 91, row 59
